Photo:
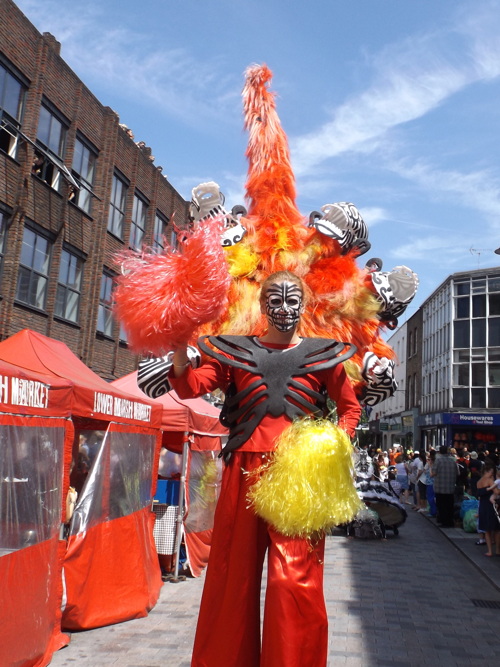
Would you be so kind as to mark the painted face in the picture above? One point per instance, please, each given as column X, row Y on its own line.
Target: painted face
column 284, row 305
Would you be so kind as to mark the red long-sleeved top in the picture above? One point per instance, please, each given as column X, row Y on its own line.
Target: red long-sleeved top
column 213, row 375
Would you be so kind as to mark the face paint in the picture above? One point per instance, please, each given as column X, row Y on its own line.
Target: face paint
column 283, row 305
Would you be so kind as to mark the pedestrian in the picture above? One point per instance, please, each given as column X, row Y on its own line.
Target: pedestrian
column 422, row 482
column 495, row 488
column 402, row 478
column 488, row 518
column 429, row 481
column 475, row 472
column 295, row 628
column 415, row 467
column 444, row 474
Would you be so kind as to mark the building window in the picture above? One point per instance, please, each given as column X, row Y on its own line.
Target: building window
column 479, row 333
column 478, row 397
column 461, row 375
column 84, row 160
column 493, row 330
column 69, row 286
column 160, row 232
column 494, row 398
column 34, row 266
column 461, row 333
column 461, row 398
column 494, row 283
column 105, row 311
column 138, row 226
column 12, row 94
column 117, row 206
column 462, row 307
column 51, row 137
column 123, row 334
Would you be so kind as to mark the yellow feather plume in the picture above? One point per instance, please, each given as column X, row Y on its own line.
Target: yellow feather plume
column 308, row 485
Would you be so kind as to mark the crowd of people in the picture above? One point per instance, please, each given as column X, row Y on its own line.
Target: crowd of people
column 436, row 481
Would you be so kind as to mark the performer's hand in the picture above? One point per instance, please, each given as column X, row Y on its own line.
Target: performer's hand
column 180, row 361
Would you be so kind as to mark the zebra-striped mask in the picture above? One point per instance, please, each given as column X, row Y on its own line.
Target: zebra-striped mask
column 284, row 305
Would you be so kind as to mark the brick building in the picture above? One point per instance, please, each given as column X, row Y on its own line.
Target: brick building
column 75, row 189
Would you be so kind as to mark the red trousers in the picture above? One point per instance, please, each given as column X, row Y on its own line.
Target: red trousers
column 295, row 627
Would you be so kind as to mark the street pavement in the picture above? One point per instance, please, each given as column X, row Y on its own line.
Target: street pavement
column 426, row 598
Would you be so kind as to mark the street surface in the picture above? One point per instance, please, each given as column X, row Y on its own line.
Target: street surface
column 403, row 602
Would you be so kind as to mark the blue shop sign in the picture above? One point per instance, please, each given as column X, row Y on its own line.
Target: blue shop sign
column 459, row 419
column 468, row 419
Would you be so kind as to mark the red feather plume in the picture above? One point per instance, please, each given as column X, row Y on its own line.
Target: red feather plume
column 162, row 299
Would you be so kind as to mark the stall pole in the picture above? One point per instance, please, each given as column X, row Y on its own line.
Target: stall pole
column 180, row 514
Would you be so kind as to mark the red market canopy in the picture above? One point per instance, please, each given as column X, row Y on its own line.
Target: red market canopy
column 92, row 396
column 115, row 520
column 193, row 415
column 27, row 393
column 34, row 433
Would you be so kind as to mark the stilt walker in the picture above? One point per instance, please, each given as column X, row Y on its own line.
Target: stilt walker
column 272, row 294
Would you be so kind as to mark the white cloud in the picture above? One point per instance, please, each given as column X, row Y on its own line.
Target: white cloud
column 477, row 190
column 171, row 79
column 373, row 215
column 433, row 249
column 410, row 80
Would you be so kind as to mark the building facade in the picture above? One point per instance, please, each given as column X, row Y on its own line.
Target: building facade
column 76, row 189
column 452, row 369
column 461, row 362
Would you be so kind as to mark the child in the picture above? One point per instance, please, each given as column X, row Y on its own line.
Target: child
column 495, row 487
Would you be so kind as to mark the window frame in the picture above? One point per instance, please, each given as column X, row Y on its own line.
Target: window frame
column 39, row 234
column 114, row 211
column 67, row 288
column 10, row 125
column 82, row 197
column 48, row 164
column 138, row 221
column 159, row 235
column 106, row 304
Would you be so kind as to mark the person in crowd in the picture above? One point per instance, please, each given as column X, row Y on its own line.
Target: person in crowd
column 392, row 482
column 295, row 625
column 488, row 518
column 429, row 482
column 463, row 459
column 402, row 478
column 495, row 488
column 415, row 466
column 444, row 474
column 422, row 482
column 392, row 453
column 475, row 472
column 382, row 467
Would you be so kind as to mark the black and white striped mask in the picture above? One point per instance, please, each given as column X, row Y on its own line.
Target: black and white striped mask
column 284, row 305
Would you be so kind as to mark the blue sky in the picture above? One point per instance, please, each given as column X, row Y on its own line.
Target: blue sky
column 393, row 105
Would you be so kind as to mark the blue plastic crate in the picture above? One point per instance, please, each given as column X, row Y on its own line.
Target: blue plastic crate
column 167, row 491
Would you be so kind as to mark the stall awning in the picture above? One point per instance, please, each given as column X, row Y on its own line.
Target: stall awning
column 92, row 396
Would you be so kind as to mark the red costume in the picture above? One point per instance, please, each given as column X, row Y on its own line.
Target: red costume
column 295, row 628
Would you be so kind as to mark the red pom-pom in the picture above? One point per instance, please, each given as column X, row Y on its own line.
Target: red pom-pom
column 163, row 298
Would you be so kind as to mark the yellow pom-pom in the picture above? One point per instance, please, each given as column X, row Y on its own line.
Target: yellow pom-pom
column 308, row 486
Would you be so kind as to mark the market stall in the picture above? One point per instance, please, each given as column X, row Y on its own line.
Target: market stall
column 191, row 427
column 111, row 572
column 35, row 433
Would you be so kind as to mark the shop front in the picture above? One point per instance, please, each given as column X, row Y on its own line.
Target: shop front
column 475, row 431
